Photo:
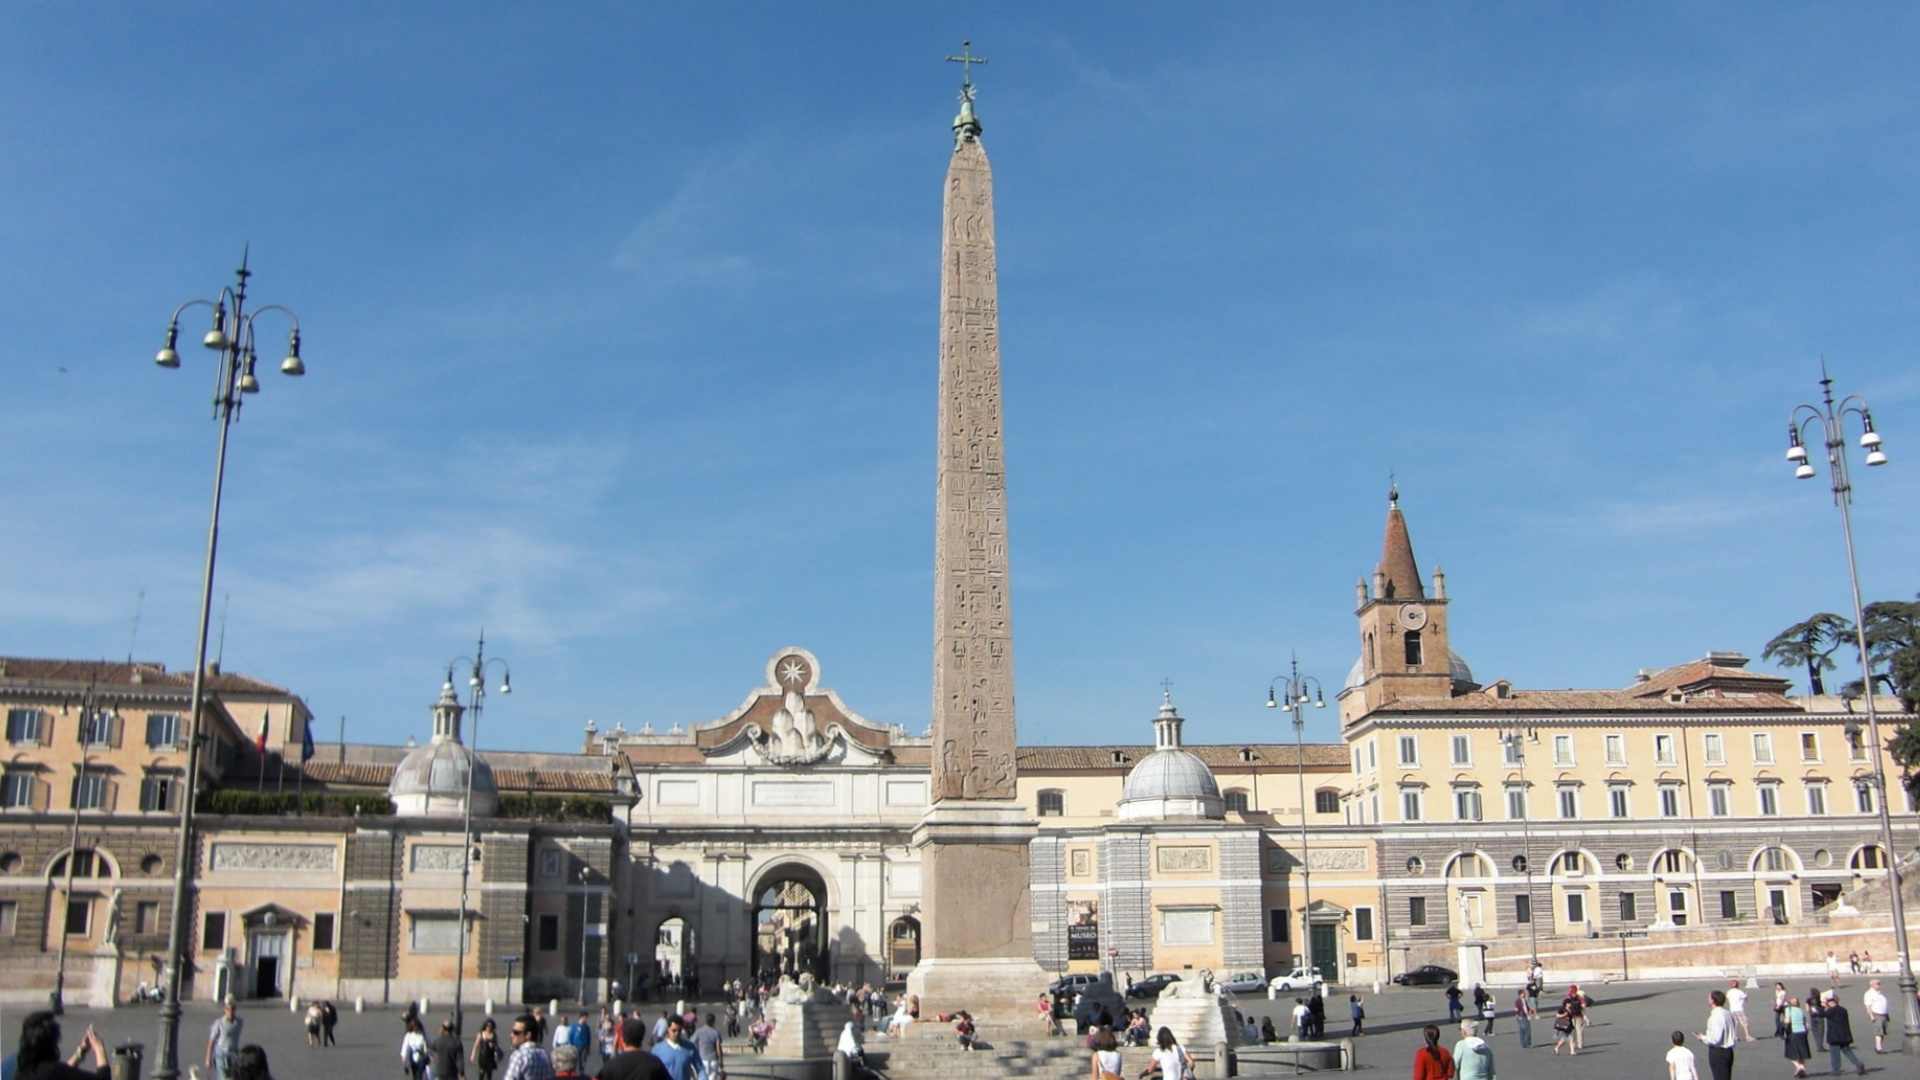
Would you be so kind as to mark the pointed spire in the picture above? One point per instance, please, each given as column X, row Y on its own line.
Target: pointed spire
column 1398, row 577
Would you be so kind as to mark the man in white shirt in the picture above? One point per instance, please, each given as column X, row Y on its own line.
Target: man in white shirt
column 1875, row 1001
column 1302, row 1016
column 1737, row 1005
column 1719, row 1037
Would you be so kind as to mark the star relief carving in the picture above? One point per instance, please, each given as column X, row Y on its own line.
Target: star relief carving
column 793, row 671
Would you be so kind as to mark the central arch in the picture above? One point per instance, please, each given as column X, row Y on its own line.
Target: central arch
column 790, row 924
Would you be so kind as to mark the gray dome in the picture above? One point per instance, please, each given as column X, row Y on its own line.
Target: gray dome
column 1457, row 667
column 1170, row 782
column 432, row 781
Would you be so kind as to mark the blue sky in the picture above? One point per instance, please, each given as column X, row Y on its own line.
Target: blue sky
column 621, row 323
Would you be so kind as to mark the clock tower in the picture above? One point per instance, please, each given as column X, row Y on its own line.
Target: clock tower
column 1403, row 629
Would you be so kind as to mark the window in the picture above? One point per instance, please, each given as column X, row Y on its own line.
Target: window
column 1413, row 650
column 1816, row 799
column 163, row 731
column 1773, row 859
column 1279, row 926
column 1053, row 803
column 90, row 792
column 96, row 728
column 213, row 931
column 1363, row 924
column 1669, row 800
column 79, row 916
column 435, row 933
column 1663, row 750
column 1569, row 801
column 1617, row 801
column 1809, row 746
column 157, row 791
column 1409, row 750
column 23, row 726
column 1629, row 907
column 1236, row 801
column 1516, row 803
column 1762, row 748
column 323, row 931
column 1729, row 904
column 1769, row 796
column 1576, row 907
column 1856, row 746
column 1863, row 796
column 9, row 917
column 1717, row 799
column 1410, row 804
column 83, row 865
column 1713, row 748
column 1326, row 802
column 1416, row 865
column 1563, row 749
column 1677, row 906
column 1466, row 804
column 1373, row 758
column 1416, row 911
column 146, row 917
column 549, row 933
column 1869, row 858
column 16, row 790
column 1616, row 749
column 1672, row 862
column 1523, row 908
column 1462, row 750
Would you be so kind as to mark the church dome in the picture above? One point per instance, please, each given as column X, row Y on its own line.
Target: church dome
column 1457, row 667
column 432, row 780
column 1170, row 782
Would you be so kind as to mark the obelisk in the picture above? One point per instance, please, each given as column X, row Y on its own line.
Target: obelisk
column 976, row 929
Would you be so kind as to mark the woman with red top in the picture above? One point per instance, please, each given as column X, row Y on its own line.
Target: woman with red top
column 1432, row 1061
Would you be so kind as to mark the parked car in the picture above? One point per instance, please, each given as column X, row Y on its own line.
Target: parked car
column 1072, row 984
column 1151, row 986
column 1427, row 975
column 1245, row 982
column 1300, row 978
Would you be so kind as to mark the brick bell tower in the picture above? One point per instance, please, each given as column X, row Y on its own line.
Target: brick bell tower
column 1403, row 630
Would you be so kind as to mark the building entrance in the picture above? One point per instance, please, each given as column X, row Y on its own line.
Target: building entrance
column 790, row 925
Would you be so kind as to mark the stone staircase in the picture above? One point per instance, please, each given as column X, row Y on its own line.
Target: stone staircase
column 931, row 1055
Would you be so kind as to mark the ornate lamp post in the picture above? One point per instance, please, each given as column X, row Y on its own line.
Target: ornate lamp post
column 476, row 700
column 231, row 338
column 1295, row 699
column 1831, row 419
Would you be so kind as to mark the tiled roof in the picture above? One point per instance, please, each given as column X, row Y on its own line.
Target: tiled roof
column 1585, row 701
column 125, row 674
column 509, row 781
column 1100, row 758
column 366, row 774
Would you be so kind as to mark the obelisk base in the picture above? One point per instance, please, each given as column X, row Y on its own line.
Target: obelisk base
column 975, row 924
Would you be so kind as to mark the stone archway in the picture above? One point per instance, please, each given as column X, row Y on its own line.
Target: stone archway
column 790, row 928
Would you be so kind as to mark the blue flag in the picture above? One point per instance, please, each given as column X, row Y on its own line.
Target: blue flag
column 306, row 742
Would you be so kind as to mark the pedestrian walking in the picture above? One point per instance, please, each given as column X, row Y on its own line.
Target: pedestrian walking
column 1779, row 1008
column 329, row 1016
column 1563, row 1029
column 486, row 1050
column 448, row 1057
column 1833, row 968
column 1816, row 1024
column 529, row 1060
column 1737, row 1005
column 1472, row 1055
column 313, row 1024
column 1523, row 1019
column 1795, row 1016
column 1576, row 1005
column 1680, row 1060
column 1359, row 1014
column 1878, row 1010
column 1839, row 1033
column 223, row 1039
column 414, row 1056
column 1719, row 1037
column 1432, row 1061
column 1453, row 1004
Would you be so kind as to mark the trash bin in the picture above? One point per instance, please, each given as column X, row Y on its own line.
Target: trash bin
column 126, row 1061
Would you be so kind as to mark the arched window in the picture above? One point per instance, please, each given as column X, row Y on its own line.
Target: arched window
column 1053, row 803
column 1326, row 801
column 1237, row 800
column 1470, row 865
column 1871, row 857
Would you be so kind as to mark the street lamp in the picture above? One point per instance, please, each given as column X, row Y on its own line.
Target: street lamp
column 476, row 700
column 1294, row 687
column 231, row 337
column 1831, row 419
column 57, row 1000
column 1514, row 740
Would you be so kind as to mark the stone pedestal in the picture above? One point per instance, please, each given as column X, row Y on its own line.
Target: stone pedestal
column 976, row 928
column 1200, row 1018
column 806, row 1030
column 1473, row 965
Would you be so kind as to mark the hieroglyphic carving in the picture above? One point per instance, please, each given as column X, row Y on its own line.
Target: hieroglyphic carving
column 273, row 856
column 973, row 723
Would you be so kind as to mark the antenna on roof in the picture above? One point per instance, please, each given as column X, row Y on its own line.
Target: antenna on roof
column 133, row 636
column 220, row 653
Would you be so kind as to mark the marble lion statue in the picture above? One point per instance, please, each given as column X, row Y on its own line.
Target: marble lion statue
column 1200, row 986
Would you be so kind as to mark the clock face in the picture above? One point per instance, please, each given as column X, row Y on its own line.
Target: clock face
column 1413, row 616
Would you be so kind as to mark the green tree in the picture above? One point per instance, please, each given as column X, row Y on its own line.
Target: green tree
column 1893, row 645
column 1810, row 644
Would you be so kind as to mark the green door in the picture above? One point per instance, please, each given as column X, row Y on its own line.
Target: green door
column 1326, row 951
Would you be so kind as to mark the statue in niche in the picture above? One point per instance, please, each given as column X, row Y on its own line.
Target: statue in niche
column 112, row 936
